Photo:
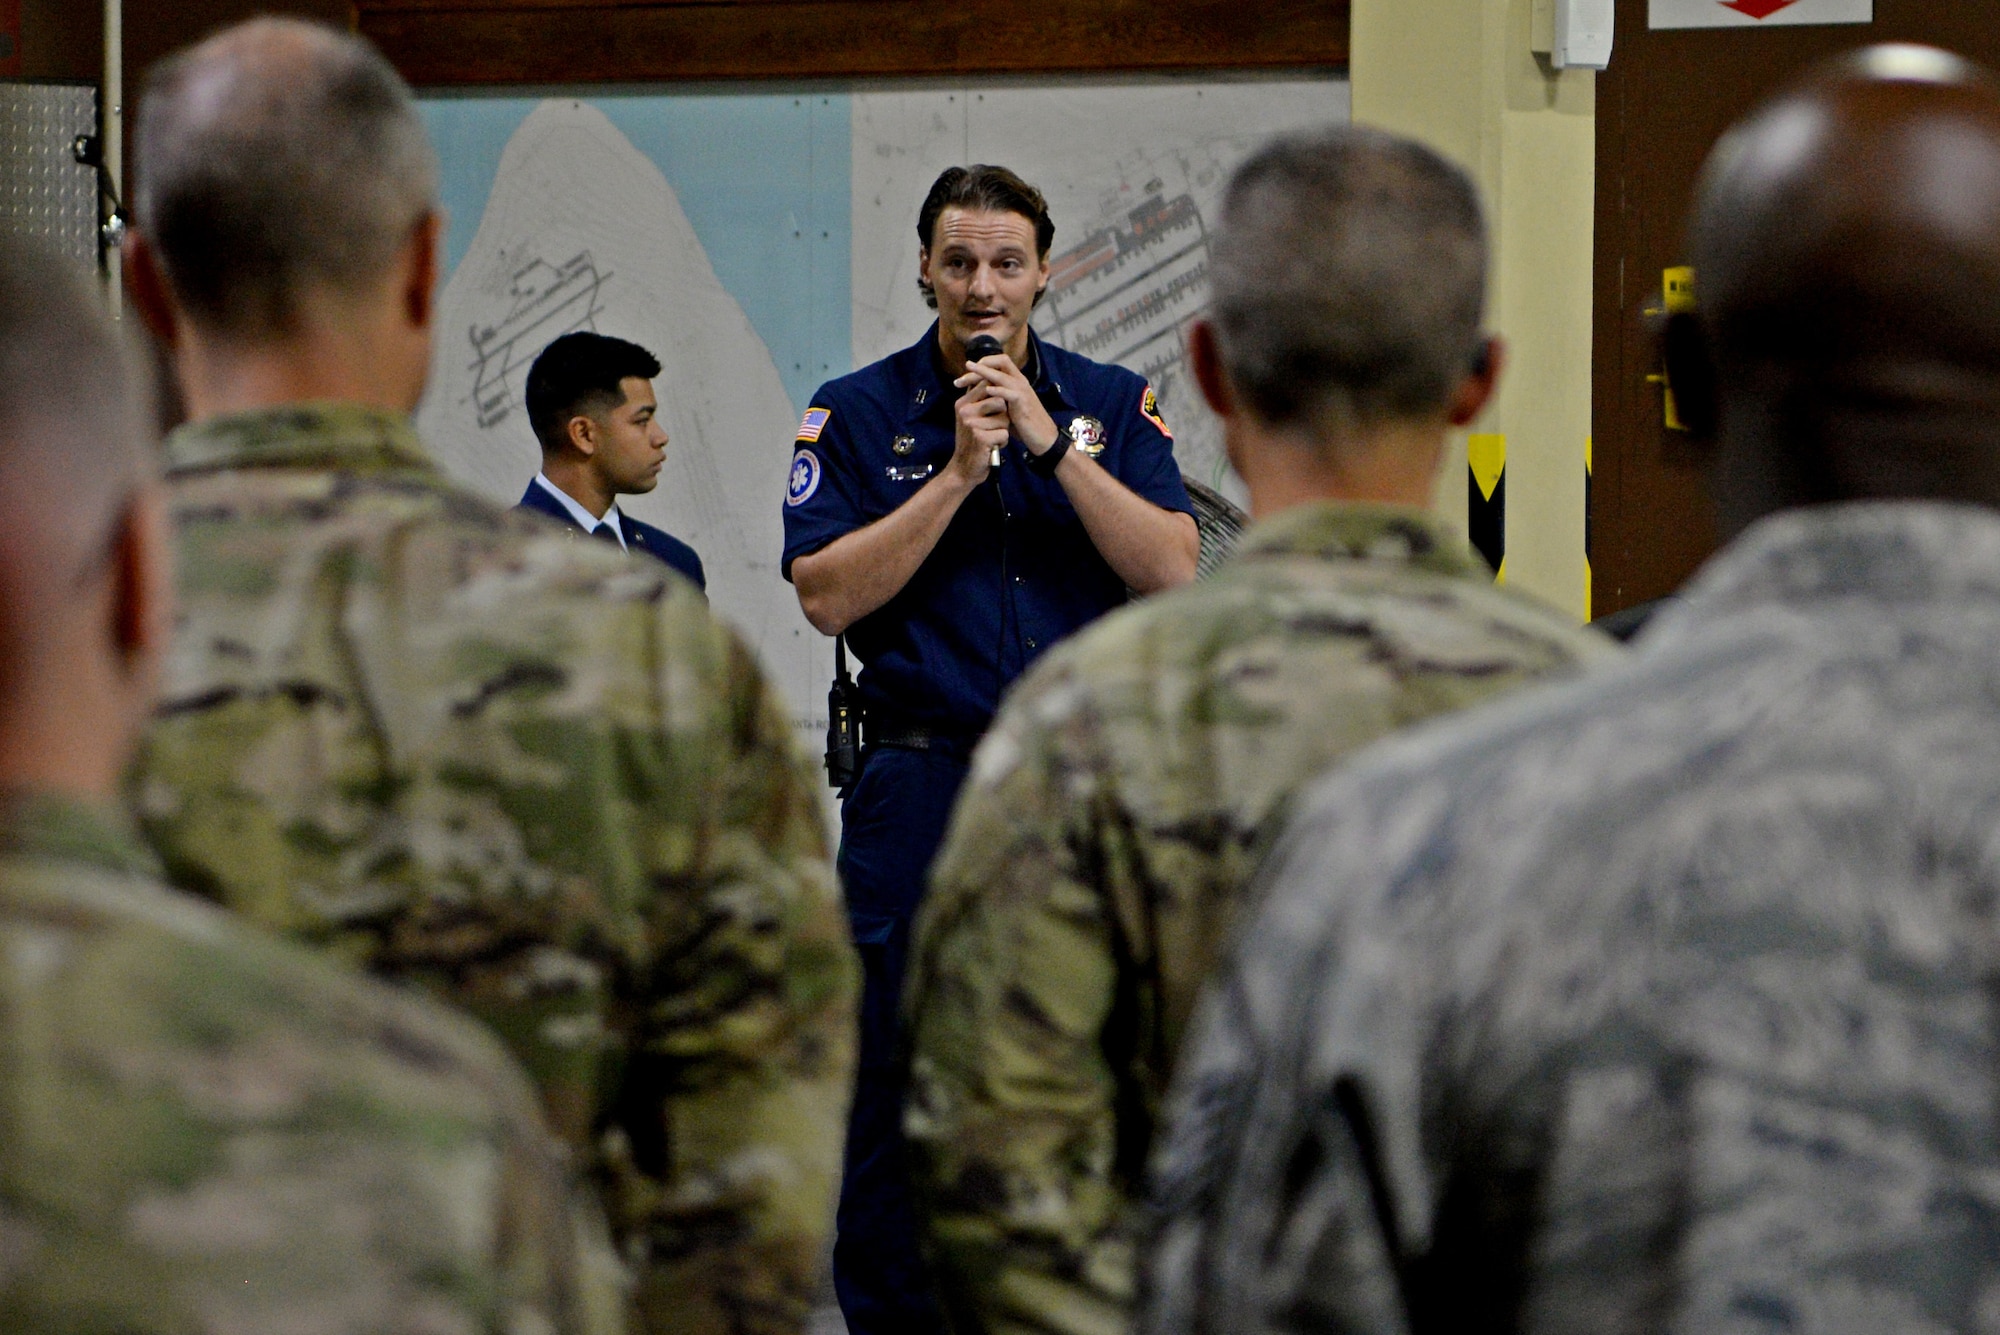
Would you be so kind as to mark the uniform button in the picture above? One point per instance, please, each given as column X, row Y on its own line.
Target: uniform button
column 1020, row 579
column 1034, row 644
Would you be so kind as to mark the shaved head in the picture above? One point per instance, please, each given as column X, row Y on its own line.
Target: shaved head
column 1847, row 251
column 75, row 405
column 276, row 158
column 85, row 604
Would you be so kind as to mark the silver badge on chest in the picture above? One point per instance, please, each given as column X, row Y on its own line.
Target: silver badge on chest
column 904, row 446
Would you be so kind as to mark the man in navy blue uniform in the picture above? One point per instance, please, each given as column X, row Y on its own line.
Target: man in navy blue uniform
column 954, row 519
column 591, row 404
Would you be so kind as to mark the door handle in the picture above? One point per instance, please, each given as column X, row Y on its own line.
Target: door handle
column 1676, row 298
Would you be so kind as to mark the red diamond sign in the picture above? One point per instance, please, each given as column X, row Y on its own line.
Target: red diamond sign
column 1755, row 13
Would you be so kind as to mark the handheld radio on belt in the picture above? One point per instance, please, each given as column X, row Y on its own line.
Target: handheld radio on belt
column 843, row 701
column 843, row 724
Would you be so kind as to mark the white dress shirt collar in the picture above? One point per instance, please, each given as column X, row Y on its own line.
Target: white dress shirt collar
column 584, row 519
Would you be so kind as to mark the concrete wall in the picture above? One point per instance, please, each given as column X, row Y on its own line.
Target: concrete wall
column 1459, row 75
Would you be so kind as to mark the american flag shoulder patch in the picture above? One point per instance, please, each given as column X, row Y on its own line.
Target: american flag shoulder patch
column 816, row 420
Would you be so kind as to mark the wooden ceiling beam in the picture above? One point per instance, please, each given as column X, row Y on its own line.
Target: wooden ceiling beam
column 445, row 43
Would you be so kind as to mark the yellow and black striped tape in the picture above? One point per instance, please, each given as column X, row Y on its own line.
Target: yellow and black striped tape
column 1486, row 500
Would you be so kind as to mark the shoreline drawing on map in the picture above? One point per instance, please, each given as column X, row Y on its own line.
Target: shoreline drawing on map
column 550, row 300
column 633, row 267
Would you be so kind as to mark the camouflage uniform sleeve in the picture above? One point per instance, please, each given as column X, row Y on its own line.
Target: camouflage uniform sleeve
column 1329, row 1257
column 1330, row 1188
column 207, row 1132
column 723, row 1162
column 1011, row 1113
column 553, row 1252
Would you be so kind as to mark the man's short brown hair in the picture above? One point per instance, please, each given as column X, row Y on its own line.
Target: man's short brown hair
column 982, row 188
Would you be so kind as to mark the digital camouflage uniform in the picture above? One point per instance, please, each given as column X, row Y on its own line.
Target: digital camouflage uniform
column 536, row 777
column 1097, row 861
column 1663, row 1003
column 204, row 1131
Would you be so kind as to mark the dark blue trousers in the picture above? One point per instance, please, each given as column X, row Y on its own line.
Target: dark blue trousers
column 891, row 826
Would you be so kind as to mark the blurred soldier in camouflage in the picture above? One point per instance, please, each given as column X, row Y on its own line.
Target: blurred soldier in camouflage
column 1666, row 1003
column 446, row 742
column 1134, row 778
column 203, row 1130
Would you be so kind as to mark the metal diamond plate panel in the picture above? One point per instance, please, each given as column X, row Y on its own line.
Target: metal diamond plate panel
column 44, row 191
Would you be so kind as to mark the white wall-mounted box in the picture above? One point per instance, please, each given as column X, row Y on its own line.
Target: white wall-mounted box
column 1574, row 34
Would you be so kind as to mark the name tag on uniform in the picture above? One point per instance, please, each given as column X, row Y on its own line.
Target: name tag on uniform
column 909, row 472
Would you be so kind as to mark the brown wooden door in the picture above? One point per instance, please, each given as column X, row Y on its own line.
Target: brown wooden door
column 1665, row 101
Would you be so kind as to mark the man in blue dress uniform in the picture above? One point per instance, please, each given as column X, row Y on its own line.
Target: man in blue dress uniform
column 591, row 404
column 954, row 519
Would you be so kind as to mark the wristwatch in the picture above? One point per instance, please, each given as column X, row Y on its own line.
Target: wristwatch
column 1044, row 464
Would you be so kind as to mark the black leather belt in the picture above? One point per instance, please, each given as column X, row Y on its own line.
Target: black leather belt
column 913, row 736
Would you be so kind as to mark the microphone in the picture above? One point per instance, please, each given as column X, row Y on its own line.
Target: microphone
column 978, row 349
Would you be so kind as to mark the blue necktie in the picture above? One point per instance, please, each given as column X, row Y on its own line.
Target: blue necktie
column 605, row 533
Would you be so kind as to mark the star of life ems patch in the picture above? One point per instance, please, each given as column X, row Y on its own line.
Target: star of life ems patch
column 804, row 479
column 816, row 420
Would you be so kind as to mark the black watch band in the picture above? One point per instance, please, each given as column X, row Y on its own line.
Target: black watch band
column 1044, row 464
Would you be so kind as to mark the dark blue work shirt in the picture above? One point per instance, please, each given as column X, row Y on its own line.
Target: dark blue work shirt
column 1015, row 571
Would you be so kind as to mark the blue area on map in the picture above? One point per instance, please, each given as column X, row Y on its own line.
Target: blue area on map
column 765, row 179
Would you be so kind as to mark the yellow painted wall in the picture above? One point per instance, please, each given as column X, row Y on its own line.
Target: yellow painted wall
column 1459, row 75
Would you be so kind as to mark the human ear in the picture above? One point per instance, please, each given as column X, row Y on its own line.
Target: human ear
column 152, row 296
column 141, row 569
column 583, row 435
column 1481, row 383
column 1205, row 358
column 420, row 270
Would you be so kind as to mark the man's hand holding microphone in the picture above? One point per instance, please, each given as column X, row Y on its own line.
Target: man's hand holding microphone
column 999, row 402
